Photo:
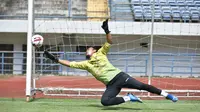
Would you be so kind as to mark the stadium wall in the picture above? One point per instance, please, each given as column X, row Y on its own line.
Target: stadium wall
column 134, row 28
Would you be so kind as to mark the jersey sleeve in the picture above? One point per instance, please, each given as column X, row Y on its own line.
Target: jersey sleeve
column 79, row 65
column 105, row 48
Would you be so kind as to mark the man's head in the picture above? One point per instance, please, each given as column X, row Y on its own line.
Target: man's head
column 90, row 51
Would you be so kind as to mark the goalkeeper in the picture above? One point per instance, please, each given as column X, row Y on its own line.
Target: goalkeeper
column 99, row 66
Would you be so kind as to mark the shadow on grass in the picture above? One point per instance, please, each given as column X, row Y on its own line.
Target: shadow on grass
column 120, row 108
column 113, row 108
column 127, row 108
column 19, row 99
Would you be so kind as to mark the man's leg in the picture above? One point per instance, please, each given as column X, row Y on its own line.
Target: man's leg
column 109, row 97
column 112, row 90
column 135, row 84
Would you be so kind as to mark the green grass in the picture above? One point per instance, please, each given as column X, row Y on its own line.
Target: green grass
column 93, row 105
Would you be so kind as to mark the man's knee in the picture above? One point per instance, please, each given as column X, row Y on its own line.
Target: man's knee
column 105, row 102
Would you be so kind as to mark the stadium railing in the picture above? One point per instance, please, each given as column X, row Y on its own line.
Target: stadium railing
column 12, row 62
column 89, row 92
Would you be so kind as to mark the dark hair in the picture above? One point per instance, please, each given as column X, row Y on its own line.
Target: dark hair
column 94, row 47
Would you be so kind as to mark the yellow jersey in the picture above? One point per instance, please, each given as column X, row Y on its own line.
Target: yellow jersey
column 98, row 65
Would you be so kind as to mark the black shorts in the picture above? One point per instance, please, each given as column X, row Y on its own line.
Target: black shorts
column 123, row 80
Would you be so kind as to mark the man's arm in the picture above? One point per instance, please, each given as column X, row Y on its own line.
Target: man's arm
column 79, row 65
column 109, row 38
column 105, row 27
column 64, row 62
column 105, row 48
column 55, row 59
column 74, row 64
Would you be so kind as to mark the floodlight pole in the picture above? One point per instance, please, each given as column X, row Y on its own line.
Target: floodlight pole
column 29, row 51
column 150, row 68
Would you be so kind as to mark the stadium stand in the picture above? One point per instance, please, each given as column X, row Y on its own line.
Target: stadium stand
column 165, row 10
column 132, row 10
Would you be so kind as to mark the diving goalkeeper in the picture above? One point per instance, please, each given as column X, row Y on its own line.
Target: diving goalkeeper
column 114, row 79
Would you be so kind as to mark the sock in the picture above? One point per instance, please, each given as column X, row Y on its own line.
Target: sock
column 163, row 93
column 126, row 98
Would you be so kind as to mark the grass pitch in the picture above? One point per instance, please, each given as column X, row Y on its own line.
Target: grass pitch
column 93, row 105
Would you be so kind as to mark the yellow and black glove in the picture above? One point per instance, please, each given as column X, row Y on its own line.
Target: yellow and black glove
column 105, row 26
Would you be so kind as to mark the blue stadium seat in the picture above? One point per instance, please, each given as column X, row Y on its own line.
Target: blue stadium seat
column 182, row 8
column 172, row 2
column 185, row 15
column 157, row 12
column 138, row 14
column 176, row 15
column 146, row 8
column 180, row 2
column 163, row 2
column 137, row 8
column 135, row 1
column 189, row 2
column 157, row 8
column 165, row 6
column 166, row 12
column 157, row 2
column 166, row 15
column 191, row 8
column 164, row 9
column 145, row 1
column 158, row 15
column 175, row 8
column 197, row 2
column 147, row 15
column 195, row 15
column 175, row 12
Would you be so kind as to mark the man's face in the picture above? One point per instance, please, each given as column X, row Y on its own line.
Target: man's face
column 90, row 51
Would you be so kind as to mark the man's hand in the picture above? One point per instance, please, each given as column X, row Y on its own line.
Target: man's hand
column 51, row 56
column 105, row 26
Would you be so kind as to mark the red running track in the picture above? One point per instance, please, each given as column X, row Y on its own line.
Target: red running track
column 14, row 87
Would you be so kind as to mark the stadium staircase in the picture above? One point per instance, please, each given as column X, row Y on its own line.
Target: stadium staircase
column 97, row 10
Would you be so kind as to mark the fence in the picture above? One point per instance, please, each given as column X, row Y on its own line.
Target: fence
column 163, row 64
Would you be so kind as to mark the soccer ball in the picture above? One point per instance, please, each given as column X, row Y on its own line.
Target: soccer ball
column 37, row 40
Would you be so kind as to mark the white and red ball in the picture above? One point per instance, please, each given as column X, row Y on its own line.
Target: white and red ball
column 37, row 40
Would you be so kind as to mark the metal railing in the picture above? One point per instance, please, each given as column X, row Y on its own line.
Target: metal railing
column 89, row 92
column 163, row 64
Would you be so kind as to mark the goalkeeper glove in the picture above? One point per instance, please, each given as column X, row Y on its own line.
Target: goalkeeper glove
column 51, row 56
column 105, row 26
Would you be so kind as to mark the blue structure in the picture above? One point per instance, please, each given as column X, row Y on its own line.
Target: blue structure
column 132, row 10
column 163, row 64
column 165, row 10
